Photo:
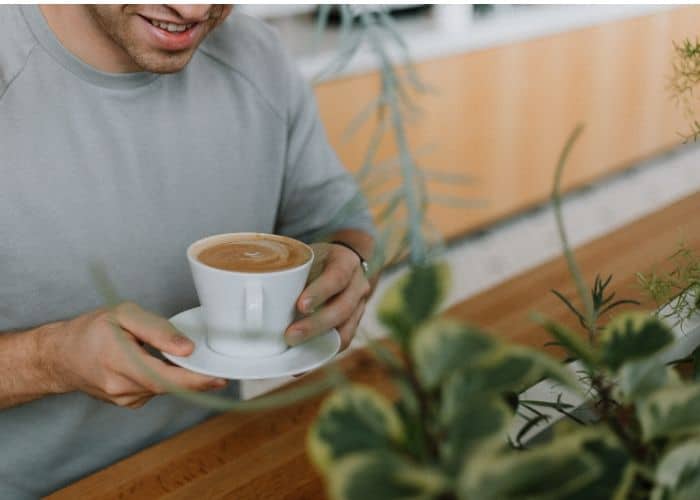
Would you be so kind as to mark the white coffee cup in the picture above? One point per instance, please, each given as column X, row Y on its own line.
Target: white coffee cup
column 247, row 313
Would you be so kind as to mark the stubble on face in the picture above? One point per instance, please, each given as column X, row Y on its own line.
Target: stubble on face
column 128, row 27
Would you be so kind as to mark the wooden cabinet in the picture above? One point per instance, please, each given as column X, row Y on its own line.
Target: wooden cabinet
column 503, row 114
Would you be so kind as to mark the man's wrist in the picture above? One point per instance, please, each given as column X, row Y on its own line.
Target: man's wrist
column 45, row 358
column 363, row 263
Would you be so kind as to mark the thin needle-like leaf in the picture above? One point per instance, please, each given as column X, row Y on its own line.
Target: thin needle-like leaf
column 571, row 307
column 455, row 201
column 529, row 425
column 619, row 303
column 362, row 117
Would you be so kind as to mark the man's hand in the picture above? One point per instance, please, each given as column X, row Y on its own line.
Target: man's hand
column 334, row 299
column 101, row 354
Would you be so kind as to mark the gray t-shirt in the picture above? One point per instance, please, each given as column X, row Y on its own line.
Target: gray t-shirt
column 126, row 170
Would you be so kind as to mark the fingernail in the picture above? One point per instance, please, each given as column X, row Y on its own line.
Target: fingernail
column 306, row 305
column 181, row 340
column 295, row 337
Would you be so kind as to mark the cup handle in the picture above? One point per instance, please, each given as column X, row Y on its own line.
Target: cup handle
column 254, row 306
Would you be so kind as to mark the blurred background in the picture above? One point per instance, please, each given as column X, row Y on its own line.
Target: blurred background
column 508, row 85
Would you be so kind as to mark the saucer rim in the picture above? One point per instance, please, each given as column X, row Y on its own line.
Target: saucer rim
column 327, row 356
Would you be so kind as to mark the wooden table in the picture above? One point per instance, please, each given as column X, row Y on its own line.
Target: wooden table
column 262, row 455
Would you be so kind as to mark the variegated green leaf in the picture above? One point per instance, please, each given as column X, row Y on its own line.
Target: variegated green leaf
column 617, row 478
column 353, row 419
column 383, row 476
column 475, row 423
column 465, row 386
column 571, row 467
column 638, row 379
column 414, row 298
column 672, row 411
column 678, row 474
column 571, row 341
column 632, row 336
column 530, row 474
column 442, row 346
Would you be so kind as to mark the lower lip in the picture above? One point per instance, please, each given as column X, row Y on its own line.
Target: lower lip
column 173, row 41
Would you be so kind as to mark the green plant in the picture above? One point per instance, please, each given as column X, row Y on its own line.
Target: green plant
column 446, row 434
column 396, row 187
column 679, row 288
column 686, row 76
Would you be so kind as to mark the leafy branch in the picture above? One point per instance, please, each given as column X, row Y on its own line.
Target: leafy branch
column 677, row 289
column 601, row 303
column 595, row 303
column 685, row 78
column 404, row 229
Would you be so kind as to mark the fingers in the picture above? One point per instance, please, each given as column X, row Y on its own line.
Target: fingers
column 119, row 390
column 347, row 330
column 340, row 268
column 133, row 374
column 158, row 377
column 334, row 313
column 135, row 390
column 114, row 365
column 152, row 329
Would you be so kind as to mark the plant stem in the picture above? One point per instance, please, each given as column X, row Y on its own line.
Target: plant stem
column 612, row 419
column 581, row 288
column 410, row 179
column 431, row 445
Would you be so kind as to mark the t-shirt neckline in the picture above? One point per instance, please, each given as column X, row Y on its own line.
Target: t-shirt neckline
column 45, row 36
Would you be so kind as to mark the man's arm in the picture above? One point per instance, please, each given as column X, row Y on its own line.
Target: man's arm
column 24, row 375
column 99, row 353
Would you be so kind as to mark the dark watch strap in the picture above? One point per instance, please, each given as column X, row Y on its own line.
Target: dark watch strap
column 363, row 262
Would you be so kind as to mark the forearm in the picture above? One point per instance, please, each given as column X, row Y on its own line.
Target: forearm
column 25, row 373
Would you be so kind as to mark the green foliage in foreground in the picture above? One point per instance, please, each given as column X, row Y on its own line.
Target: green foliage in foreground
column 449, row 439
column 449, row 433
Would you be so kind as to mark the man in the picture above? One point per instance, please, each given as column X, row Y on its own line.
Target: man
column 128, row 132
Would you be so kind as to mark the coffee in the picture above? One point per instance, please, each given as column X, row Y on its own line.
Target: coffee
column 255, row 254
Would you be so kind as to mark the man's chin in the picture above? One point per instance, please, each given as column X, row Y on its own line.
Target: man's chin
column 163, row 63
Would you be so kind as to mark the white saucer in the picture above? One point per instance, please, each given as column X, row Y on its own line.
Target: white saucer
column 295, row 360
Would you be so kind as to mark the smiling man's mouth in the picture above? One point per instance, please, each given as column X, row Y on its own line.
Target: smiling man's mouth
column 164, row 34
column 171, row 27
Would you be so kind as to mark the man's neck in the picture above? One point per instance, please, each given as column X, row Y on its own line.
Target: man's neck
column 80, row 34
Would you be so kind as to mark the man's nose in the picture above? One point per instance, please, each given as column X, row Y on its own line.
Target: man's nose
column 191, row 13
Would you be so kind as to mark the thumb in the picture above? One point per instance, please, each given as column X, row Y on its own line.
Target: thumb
column 153, row 330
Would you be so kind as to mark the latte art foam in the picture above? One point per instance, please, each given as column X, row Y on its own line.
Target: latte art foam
column 255, row 255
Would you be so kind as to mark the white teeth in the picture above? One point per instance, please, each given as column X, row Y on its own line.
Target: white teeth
column 173, row 28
